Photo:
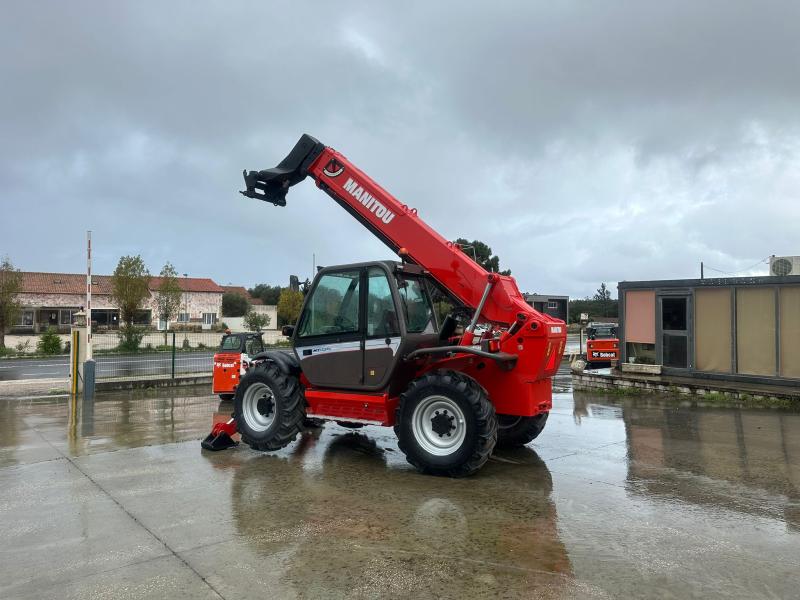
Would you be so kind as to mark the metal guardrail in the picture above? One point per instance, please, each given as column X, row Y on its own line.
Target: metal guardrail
column 155, row 354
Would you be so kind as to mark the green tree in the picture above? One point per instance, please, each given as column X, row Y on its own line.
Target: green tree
column 482, row 254
column 49, row 342
column 603, row 297
column 256, row 322
column 234, row 305
column 289, row 305
column 10, row 284
column 130, row 287
column 269, row 294
column 594, row 308
column 168, row 296
column 602, row 293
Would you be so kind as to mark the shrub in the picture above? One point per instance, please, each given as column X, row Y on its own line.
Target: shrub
column 130, row 338
column 49, row 342
column 256, row 322
column 5, row 352
column 186, row 345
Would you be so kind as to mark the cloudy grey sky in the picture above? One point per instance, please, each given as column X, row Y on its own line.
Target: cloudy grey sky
column 584, row 142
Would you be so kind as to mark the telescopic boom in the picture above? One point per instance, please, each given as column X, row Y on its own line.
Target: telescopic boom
column 494, row 297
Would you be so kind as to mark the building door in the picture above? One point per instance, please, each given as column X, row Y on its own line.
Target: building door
column 675, row 321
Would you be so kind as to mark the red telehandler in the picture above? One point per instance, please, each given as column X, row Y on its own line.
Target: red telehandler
column 369, row 347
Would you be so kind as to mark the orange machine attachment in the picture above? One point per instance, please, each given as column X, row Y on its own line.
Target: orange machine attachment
column 227, row 372
column 234, row 356
column 602, row 343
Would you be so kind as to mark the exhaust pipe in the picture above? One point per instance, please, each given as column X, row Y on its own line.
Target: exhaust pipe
column 271, row 185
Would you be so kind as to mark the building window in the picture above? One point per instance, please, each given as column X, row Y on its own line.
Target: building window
column 209, row 318
column 552, row 304
column 141, row 317
column 183, row 317
column 66, row 316
column 25, row 319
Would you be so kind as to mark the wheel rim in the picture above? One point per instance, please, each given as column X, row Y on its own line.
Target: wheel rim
column 439, row 425
column 258, row 407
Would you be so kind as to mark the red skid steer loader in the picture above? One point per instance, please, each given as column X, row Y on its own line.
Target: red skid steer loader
column 369, row 347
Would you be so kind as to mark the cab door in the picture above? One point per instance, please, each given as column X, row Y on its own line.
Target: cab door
column 382, row 339
column 330, row 331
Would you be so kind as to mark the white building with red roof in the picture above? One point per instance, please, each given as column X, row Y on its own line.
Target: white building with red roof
column 50, row 299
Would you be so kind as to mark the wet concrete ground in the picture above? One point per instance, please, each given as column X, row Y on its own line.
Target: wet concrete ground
column 619, row 498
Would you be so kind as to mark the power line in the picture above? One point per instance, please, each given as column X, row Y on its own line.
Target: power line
column 734, row 273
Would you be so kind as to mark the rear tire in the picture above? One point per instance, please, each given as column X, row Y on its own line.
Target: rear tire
column 445, row 424
column 269, row 408
column 513, row 432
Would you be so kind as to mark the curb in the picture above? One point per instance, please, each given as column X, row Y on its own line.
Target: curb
column 106, row 385
column 51, row 387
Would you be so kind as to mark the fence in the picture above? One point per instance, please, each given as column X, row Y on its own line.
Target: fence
column 157, row 354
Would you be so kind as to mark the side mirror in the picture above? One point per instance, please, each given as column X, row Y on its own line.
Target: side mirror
column 287, row 330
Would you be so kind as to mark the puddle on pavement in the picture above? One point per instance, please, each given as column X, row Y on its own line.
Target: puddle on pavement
column 618, row 497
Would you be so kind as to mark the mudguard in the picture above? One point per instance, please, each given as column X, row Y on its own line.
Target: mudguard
column 287, row 362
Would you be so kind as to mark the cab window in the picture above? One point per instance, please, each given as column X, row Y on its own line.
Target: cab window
column 230, row 343
column 381, row 313
column 253, row 346
column 417, row 307
column 333, row 306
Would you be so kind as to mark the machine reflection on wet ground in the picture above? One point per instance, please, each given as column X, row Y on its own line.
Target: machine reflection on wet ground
column 617, row 498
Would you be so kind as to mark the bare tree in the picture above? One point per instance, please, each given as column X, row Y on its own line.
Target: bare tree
column 168, row 296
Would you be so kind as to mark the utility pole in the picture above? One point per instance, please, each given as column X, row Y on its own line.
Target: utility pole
column 701, row 270
column 88, row 295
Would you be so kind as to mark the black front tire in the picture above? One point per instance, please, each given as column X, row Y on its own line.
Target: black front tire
column 467, row 399
column 514, row 432
column 269, row 407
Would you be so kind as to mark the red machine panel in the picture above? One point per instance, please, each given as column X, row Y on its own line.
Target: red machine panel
column 347, row 406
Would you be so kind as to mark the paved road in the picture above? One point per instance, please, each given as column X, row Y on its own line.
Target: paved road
column 618, row 498
column 109, row 365
column 157, row 363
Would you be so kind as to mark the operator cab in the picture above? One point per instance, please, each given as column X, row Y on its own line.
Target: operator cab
column 601, row 331
column 241, row 343
column 359, row 320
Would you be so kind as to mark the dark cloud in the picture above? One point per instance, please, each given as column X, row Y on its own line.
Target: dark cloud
column 583, row 142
